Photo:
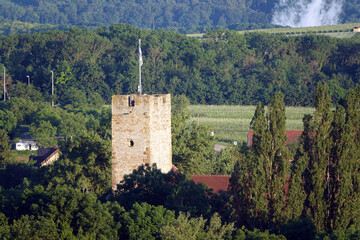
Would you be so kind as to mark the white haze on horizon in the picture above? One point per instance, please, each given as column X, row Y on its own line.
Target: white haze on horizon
column 305, row 13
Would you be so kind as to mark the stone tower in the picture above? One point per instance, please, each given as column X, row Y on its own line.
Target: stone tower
column 141, row 133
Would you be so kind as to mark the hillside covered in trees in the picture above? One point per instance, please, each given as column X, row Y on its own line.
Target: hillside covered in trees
column 185, row 16
column 223, row 68
column 314, row 196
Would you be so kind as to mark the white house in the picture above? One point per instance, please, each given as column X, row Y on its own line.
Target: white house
column 26, row 145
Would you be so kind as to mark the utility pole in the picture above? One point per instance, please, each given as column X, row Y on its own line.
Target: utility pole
column 52, row 88
column 4, row 86
column 28, row 77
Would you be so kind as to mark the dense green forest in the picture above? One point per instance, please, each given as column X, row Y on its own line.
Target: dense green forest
column 184, row 16
column 181, row 15
column 315, row 196
column 223, row 68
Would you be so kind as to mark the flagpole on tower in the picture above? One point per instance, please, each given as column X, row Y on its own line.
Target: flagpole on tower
column 4, row 86
column 140, row 64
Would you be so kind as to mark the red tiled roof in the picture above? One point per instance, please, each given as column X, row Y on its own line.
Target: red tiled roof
column 292, row 136
column 218, row 183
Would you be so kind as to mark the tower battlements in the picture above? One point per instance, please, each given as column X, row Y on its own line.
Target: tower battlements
column 141, row 133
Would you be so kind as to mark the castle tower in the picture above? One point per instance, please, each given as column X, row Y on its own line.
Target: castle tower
column 141, row 133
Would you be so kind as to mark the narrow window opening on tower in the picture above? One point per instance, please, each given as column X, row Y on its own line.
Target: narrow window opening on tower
column 131, row 102
column 131, row 143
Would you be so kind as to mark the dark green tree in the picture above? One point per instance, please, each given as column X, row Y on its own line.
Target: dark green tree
column 72, row 98
column 246, row 234
column 295, row 196
column 8, row 121
column 85, row 164
column 185, row 227
column 225, row 161
column 301, row 229
column 143, row 221
column 344, row 166
column 263, row 190
column 72, row 124
column 325, row 178
column 5, row 152
column 23, row 90
column 247, row 184
column 172, row 190
column 318, row 155
column 105, row 122
column 258, row 124
column 350, row 233
column 241, row 190
column 4, row 227
column 22, row 108
column 62, row 212
column 194, row 151
column 276, row 162
column 44, row 133
column 192, row 144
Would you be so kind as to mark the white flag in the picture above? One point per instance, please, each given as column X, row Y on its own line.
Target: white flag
column 140, row 57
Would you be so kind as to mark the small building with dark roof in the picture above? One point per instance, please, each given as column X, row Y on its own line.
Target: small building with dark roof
column 46, row 156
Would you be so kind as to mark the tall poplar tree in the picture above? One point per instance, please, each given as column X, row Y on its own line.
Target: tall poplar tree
column 353, row 124
column 240, row 188
column 275, row 161
column 318, row 152
column 258, row 187
column 258, row 124
column 308, row 170
column 246, row 187
column 325, row 176
column 344, row 169
column 296, row 194
column 259, row 212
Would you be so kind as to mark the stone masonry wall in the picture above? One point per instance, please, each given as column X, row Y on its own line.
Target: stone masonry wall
column 141, row 133
column 160, row 133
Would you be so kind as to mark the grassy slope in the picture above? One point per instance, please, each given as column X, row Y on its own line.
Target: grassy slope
column 340, row 31
column 231, row 123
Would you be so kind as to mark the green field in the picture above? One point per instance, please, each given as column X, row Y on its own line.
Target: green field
column 231, row 123
column 339, row 31
column 22, row 155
